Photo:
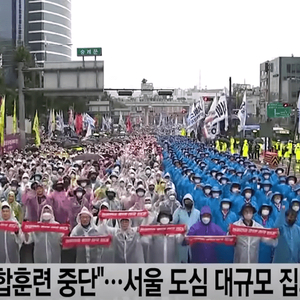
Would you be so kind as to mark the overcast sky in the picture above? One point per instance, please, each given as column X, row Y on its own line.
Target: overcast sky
column 170, row 42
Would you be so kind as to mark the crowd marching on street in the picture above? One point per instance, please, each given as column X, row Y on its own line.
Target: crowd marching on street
column 164, row 199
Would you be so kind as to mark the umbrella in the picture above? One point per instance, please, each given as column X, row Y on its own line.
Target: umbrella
column 88, row 156
column 259, row 140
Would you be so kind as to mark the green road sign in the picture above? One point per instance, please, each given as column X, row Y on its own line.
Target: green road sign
column 89, row 51
column 277, row 110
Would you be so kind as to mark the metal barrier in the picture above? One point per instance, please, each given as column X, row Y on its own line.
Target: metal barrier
column 271, row 158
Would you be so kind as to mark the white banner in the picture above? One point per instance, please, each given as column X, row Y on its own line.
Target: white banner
column 197, row 113
column 221, row 112
column 157, row 281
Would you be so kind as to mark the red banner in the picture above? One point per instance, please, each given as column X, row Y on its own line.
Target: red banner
column 162, row 229
column 45, row 227
column 227, row 239
column 123, row 214
column 74, row 241
column 9, row 226
column 253, row 231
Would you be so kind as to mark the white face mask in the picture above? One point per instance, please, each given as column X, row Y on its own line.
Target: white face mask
column 83, row 184
column 265, row 212
column 248, row 195
column 113, row 179
column 79, row 194
column 172, row 197
column 223, row 181
column 266, row 188
column 279, row 172
column 148, row 172
column 25, row 180
column 13, row 188
column 122, row 184
column 46, row 216
column 205, row 220
column 197, row 180
column 73, row 176
column 291, row 182
column 235, row 190
column 148, row 206
column 207, row 191
column 215, row 195
column 258, row 186
column 225, row 206
column 164, row 220
column 140, row 194
column 267, row 176
column 156, row 169
column 296, row 207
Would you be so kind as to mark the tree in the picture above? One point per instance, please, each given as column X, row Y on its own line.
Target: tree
column 22, row 54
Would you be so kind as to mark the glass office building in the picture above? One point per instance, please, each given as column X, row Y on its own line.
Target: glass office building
column 48, row 29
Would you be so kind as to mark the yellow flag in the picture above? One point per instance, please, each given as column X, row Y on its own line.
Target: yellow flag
column 2, row 121
column 15, row 126
column 36, row 129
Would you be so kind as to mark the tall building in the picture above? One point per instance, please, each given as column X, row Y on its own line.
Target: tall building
column 48, row 28
column 279, row 81
column 11, row 35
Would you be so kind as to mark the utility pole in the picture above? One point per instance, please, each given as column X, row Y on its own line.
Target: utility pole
column 21, row 105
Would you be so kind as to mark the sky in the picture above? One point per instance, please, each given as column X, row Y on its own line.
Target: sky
column 182, row 44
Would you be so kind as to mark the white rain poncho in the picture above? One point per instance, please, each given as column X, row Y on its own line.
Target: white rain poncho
column 47, row 245
column 10, row 243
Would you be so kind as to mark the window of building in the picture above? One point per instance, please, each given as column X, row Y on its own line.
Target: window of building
column 293, row 68
column 288, row 68
column 294, row 94
column 298, row 68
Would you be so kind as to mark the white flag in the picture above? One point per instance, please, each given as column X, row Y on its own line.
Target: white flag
column 89, row 130
column 242, row 113
column 121, row 121
column 221, row 112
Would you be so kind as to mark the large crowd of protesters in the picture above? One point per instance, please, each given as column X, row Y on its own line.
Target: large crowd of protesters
column 177, row 180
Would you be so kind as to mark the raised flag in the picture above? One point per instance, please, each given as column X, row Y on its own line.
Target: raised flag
column 242, row 113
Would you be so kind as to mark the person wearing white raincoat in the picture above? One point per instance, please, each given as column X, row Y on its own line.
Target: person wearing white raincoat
column 127, row 243
column 247, row 248
column 164, row 248
column 47, row 245
column 10, row 242
column 86, row 227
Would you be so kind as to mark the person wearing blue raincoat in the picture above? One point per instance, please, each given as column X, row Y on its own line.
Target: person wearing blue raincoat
column 205, row 252
column 277, row 202
column 266, row 252
column 295, row 206
column 288, row 247
column 265, row 193
column 248, row 197
column 223, row 216
column 212, row 178
column 235, row 196
column 275, row 176
column 205, row 198
column 186, row 214
column 215, row 193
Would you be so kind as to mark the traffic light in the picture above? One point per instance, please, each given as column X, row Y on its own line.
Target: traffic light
column 287, row 105
column 125, row 93
column 165, row 93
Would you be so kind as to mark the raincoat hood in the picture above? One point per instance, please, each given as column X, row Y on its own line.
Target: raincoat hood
column 51, row 212
column 12, row 217
column 84, row 211
column 205, row 210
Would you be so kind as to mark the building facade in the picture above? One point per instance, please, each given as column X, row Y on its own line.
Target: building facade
column 279, row 81
column 11, row 35
column 48, row 27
